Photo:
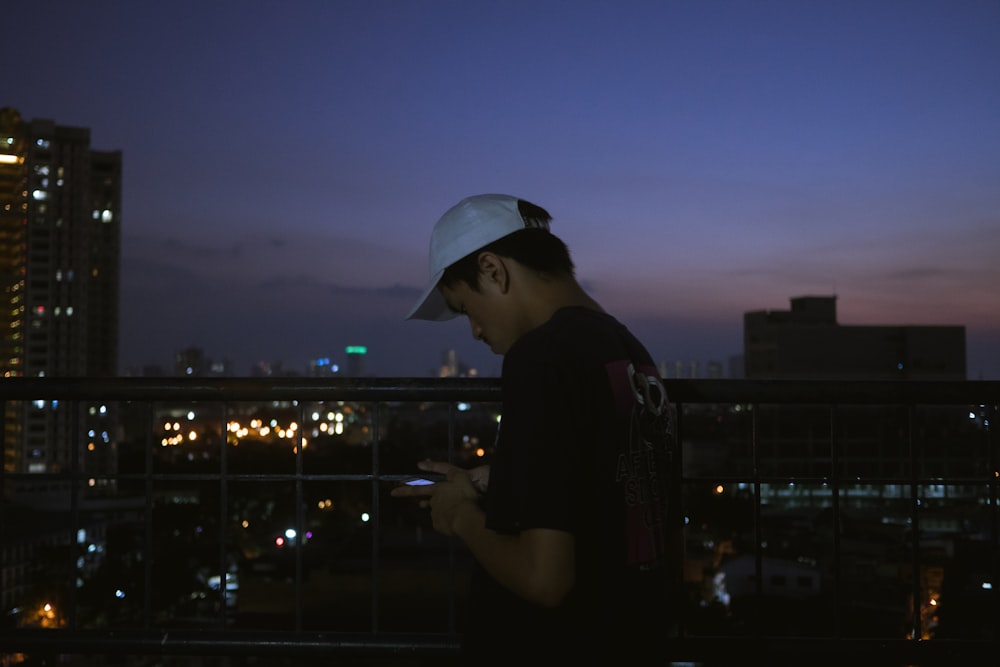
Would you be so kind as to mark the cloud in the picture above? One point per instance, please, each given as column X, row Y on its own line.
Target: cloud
column 919, row 273
column 336, row 258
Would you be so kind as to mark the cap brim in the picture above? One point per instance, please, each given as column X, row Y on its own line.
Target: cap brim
column 431, row 305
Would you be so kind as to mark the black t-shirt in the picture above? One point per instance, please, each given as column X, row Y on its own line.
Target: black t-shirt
column 583, row 446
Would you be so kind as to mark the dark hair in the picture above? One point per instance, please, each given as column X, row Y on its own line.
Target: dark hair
column 534, row 246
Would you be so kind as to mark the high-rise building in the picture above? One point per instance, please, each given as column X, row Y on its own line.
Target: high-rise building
column 453, row 367
column 323, row 367
column 60, row 240
column 807, row 342
column 191, row 362
column 355, row 360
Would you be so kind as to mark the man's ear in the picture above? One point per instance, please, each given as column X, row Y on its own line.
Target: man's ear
column 493, row 271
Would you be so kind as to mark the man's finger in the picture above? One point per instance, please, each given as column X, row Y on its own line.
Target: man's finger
column 404, row 491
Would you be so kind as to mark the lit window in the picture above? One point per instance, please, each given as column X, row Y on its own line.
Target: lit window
column 40, row 195
column 106, row 215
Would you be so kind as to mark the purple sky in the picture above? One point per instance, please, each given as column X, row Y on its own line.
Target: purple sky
column 285, row 161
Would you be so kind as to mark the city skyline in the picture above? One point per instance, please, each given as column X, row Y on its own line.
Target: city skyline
column 283, row 168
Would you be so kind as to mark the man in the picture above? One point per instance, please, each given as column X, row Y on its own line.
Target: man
column 569, row 524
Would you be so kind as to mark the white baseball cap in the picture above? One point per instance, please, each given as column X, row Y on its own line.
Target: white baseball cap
column 466, row 227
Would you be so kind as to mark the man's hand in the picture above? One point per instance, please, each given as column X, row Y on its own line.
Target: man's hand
column 449, row 501
column 480, row 477
column 538, row 565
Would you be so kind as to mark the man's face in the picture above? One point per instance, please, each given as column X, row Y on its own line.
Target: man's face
column 486, row 310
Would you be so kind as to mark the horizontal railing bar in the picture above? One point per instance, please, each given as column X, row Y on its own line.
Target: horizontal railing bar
column 835, row 392
column 816, row 392
column 833, row 651
column 228, row 643
column 717, row 650
column 950, row 480
column 213, row 477
column 252, row 389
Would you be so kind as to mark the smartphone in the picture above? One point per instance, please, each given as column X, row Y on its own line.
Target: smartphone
column 428, row 478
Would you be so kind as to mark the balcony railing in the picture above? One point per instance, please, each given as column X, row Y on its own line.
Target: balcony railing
column 826, row 522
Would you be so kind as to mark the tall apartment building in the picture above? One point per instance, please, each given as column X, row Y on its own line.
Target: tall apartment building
column 806, row 342
column 60, row 240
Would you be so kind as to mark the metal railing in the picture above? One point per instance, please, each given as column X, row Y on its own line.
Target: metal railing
column 759, row 460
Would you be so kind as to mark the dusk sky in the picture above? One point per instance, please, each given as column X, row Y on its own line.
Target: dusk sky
column 284, row 162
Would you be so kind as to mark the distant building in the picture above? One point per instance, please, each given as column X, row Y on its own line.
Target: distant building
column 449, row 364
column 192, row 362
column 221, row 368
column 267, row 369
column 322, row 368
column 60, row 245
column 691, row 370
column 355, row 360
column 807, row 343
column 737, row 367
column 781, row 578
column 452, row 366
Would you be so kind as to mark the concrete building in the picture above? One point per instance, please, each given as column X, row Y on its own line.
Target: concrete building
column 60, row 239
column 806, row 342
